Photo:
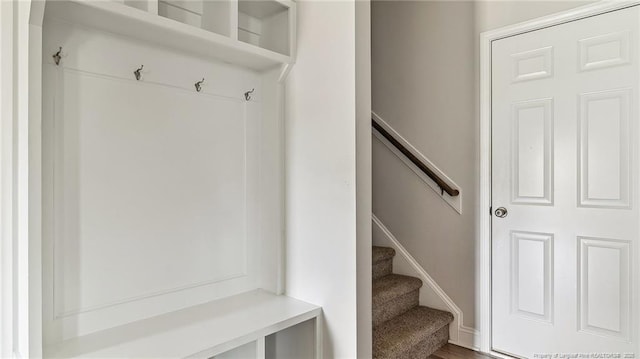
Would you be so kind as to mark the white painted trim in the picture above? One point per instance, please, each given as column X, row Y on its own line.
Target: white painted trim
column 261, row 348
column 33, row 214
column 19, row 180
column 293, row 32
column 459, row 334
column 20, row 153
column 319, row 335
column 556, row 19
column 484, row 225
column 7, row 180
column 468, row 338
column 454, row 202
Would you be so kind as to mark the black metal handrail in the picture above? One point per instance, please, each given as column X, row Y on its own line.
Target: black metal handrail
column 444, row 186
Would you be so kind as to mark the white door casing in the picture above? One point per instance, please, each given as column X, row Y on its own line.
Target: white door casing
column 564, row 164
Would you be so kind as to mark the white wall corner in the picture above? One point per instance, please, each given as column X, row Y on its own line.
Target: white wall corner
column 431, row 294
column 454, row 202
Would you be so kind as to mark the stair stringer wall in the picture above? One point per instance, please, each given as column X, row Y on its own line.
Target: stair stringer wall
column 431, row 295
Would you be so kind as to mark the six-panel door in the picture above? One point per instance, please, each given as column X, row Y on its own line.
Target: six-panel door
column 565, row 166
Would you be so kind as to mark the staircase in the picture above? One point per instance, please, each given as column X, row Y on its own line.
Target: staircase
column 401, row 327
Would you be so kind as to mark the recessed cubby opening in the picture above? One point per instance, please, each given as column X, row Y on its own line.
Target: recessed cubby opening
column 297, row 341
column 248, row 350
column 150, row 6
column 212, row 16
column 188, row 12
column 264, row 24
column 216, row 16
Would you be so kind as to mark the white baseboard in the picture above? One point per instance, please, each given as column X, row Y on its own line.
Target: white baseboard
column 468, row 338
column 431, row 294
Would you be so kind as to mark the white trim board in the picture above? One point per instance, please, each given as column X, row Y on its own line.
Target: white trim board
column 7, row 183
column 454, row 202
column 20, row 301
column 484, row 225
column 431, row 294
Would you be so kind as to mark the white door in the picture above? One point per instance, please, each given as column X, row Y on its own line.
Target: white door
column 565, row 168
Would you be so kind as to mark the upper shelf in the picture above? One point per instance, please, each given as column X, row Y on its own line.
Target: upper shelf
column 269, row 43
column 201, row 331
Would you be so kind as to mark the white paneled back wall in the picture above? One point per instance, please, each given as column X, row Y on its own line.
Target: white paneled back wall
column 151, row 191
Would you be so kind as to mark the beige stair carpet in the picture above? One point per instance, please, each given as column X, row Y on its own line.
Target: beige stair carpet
column 401, row 327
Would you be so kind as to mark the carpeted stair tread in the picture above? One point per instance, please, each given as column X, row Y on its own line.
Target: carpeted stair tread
column 379, row 254
column 398, row 337
column 393, row 286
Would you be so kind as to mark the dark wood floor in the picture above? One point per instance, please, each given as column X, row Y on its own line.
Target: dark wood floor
column 450, row 351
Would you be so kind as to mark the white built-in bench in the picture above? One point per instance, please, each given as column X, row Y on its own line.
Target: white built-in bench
column 256, row 324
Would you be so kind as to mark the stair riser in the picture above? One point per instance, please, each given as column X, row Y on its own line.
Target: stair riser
column 395, row 307
column 382, row 268
column 429, row 346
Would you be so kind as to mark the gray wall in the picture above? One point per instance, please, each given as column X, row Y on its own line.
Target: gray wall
column 425, row 85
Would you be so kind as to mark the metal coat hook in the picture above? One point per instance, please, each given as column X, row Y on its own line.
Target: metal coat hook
column 58, row 56
column 247, row 95
column 138, row 73
column 199, row 85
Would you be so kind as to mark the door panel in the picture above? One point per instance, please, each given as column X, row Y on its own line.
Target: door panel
column 604, row 286
column 532, row 143
column 532, row 275
column 604, row 148
column 564, row 165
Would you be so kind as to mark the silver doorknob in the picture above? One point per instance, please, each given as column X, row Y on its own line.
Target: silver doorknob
column 501, row 212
